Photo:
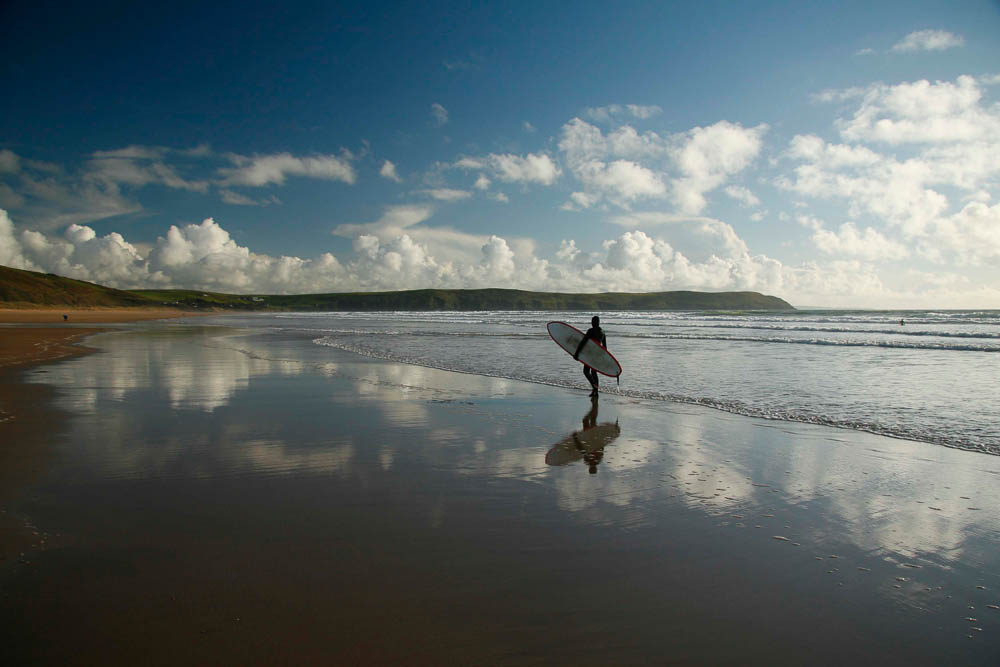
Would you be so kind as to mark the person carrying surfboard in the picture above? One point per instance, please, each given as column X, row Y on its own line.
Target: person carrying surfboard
column 596, row 333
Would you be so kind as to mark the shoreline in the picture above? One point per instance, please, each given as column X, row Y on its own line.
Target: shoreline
column 95, row 315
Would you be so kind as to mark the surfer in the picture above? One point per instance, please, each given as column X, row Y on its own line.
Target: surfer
column 596, row 334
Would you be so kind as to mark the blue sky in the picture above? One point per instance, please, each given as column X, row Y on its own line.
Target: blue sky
column 839, row 155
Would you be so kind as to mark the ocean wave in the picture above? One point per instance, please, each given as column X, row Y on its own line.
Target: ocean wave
column 908, row 345
column 898, row 331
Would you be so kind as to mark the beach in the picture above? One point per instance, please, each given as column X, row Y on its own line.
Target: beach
column 221, row 494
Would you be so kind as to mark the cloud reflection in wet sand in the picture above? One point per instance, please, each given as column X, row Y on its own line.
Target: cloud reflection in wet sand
column 216, row 405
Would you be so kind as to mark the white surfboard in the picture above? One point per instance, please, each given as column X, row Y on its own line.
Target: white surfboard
column 593, row 353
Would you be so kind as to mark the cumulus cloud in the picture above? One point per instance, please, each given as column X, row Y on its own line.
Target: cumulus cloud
column 10, row 249
column 204, row 256
column 530, row 168
column 537, row 168
column 624, row 166
column 869, row 243
column 274, row 169
column 923, row 112
column 928, row 40
column 388, row 172
column 944, row 139
column 439, row 114
column 972, row 234
column 708, row 156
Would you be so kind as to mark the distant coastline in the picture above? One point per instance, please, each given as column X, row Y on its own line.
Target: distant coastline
column 30, row 289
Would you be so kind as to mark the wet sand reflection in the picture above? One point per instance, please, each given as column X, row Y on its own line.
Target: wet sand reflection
column 587, row 444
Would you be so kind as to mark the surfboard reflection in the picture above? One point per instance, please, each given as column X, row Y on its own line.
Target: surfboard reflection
column 587, row 444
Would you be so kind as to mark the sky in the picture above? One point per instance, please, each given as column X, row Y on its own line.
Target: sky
column 833, row 154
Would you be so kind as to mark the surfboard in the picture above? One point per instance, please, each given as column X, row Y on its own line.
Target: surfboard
column 593, row 353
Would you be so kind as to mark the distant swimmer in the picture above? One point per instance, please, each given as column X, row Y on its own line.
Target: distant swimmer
column 596, row 334
column 901, row 323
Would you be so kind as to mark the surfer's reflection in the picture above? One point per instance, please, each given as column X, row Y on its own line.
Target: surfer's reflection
column 587, row 444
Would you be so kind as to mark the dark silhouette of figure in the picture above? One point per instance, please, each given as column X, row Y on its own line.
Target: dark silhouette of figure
column 592, row 457
column 586, row 444
column 901, row 323
column 65, row 317
column 595, row 333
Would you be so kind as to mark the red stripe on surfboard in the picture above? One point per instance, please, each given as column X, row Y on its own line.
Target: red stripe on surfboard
column 595, row 343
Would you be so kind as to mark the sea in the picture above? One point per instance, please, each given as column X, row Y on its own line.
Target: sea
column 928, row 375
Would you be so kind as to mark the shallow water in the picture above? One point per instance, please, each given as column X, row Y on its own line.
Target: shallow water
column 932, row 379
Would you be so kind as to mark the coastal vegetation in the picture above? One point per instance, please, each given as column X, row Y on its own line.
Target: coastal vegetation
column 19, row 288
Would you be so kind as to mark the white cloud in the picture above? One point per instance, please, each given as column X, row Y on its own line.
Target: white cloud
column 10, row 249
column 869, row 244
column 10, row 162
column 945, row 139
column 274, row 169
column 835, row 95
column 204, row 256
column 388, row 171
column 580, row 200
column 708, row 156
column 537, row 168
column 972, row 234
column 446, row 194
column 107, row 183
column 928, row 40
column 394, row 220
column 743, row 195
column 530, row 168
column 138, row 166
column 470, row 163
column 528, row 127
column 612, row 111
column 923, row 112
column 622, row 179
column 439, row 114
column 624, row 165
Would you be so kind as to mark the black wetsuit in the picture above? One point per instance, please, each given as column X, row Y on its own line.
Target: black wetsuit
column 597, row 335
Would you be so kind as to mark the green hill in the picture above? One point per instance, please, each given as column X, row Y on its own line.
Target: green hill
column 28, row 288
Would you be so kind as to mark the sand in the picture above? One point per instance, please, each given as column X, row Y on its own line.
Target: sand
column 214, row 497
column 87, row 315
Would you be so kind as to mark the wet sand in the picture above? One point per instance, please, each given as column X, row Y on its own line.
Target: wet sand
column 217, row 497
column 27, row 418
